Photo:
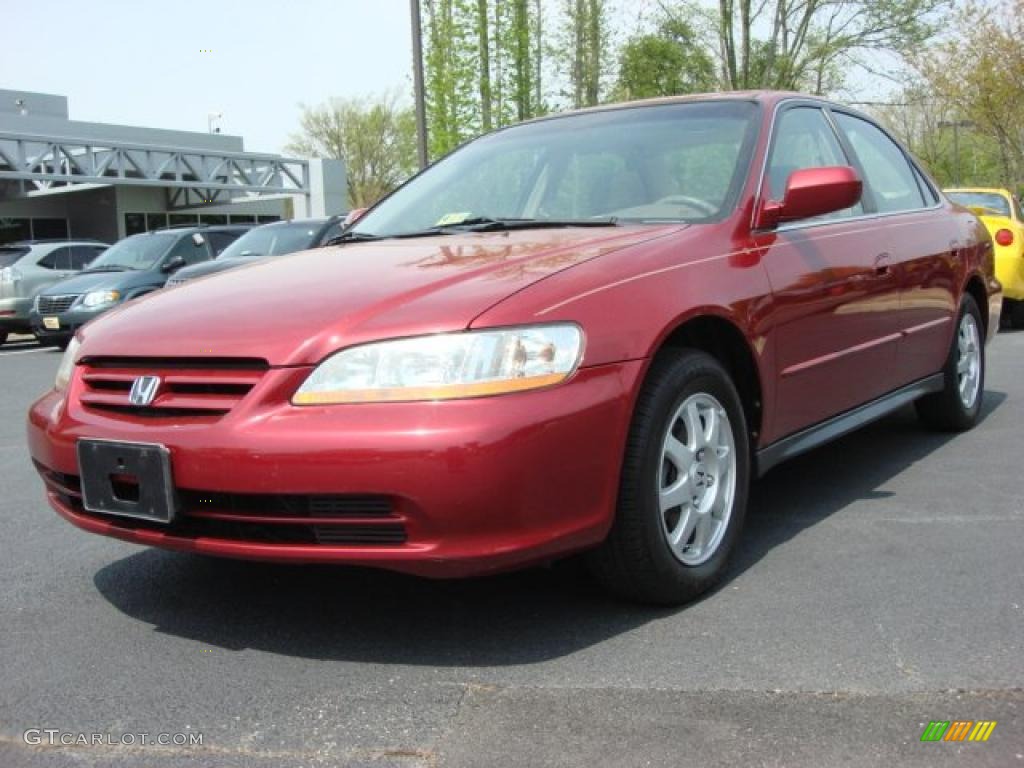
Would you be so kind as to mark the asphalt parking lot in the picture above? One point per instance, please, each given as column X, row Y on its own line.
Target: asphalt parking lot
column 880, row 586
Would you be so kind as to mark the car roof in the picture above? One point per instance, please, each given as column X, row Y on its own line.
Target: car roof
column 54, row 241
column 313, row 222
column 189, row 229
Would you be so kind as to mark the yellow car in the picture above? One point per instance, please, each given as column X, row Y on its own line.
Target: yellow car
column 1001, row 213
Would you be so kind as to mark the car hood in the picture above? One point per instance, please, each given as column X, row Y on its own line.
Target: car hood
column 215, row 266
column 298, row 309
column 97, row 281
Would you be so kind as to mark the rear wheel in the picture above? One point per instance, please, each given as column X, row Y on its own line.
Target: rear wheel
column 683, row 490
column 3, row 337
column 957, row 406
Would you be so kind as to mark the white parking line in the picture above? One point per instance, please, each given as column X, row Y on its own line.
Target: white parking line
column 9, row 352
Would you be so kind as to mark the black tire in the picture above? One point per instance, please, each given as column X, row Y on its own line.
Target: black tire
column 946, row 410
column 636, row 560
column 3, row 338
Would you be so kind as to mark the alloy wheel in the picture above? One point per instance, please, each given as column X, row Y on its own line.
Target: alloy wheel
column 968, row 363
column 697, row 479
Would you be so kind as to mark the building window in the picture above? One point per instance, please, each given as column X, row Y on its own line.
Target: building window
column 213, row 219
column 242, row 218
column 267, row 219
column 50, row 229
column 134, row 223
column 182, row 219
column 156, row 221
column 15, row 229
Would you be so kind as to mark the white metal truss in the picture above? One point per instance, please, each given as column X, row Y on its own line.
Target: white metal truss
column 49, row 162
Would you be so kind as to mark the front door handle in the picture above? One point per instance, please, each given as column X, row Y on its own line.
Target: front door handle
column 883, row 262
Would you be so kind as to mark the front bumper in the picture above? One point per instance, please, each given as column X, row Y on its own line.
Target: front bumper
column 14, row 315
column 477, row 485
column 70, row 321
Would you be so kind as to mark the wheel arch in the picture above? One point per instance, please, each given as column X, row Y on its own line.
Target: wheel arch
column 975, row 288
column 725, row 341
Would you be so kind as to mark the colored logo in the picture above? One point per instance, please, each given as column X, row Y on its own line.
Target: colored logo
column 958, row 730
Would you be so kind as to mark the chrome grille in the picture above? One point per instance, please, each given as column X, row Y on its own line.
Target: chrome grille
column 188, row 388
column 54, row 305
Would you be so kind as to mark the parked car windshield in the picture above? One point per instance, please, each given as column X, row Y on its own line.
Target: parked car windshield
column 135, row 252
column 670, row 162
column 990, row 201
column 11, row 254
column 271, row 240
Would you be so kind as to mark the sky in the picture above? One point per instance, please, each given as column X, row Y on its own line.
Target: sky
column 144, row 62
column 170, row 63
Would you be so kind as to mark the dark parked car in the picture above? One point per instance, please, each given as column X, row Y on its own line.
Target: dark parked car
column 29, row 266
column 131, row 268
column 589, row 332
column 275, row 239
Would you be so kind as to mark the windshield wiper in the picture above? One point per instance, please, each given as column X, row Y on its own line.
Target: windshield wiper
column 352, row 237
column 477, row 224
column 487, row 224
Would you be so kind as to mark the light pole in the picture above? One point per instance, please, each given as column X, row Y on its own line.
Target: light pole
column 956, row 125
column 417, row 78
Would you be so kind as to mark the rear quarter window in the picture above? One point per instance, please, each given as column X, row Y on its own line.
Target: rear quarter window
column 9, row 255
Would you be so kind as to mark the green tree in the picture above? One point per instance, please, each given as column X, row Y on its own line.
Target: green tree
column 374, row 136
column 807, row 44
column 979, row 71
column 450, row 73
column 665, row 62
column 584, row 49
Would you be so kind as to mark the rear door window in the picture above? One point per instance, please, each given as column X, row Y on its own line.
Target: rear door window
column 81, row 255
column 57, row 259
column 888, row 172
column 221, row 240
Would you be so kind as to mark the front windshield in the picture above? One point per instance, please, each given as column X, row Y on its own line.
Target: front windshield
column 990, row 201
column 671, row 162
column 135, row 252
column 271, row 240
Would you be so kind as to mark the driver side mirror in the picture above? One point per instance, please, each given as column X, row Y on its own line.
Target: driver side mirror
column 173, row 264
column 812, row 192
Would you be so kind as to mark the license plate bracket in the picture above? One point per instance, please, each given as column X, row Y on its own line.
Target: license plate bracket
column 51, row 323
column 127, row 479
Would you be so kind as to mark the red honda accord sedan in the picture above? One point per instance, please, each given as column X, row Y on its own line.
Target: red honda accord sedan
column 583, row 333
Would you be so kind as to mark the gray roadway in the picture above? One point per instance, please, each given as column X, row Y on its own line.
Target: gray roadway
column 880, row 585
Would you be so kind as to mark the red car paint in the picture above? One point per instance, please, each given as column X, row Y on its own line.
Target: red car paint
column 830, row 315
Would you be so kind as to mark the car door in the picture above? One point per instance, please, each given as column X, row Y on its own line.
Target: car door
column 834, row 329
column 923, row 243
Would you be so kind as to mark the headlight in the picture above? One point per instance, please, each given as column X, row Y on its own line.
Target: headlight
column 67, row 365
column 99, row 298
column 446, row 366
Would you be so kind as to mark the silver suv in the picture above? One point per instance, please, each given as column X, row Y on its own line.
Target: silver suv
column 28, row 266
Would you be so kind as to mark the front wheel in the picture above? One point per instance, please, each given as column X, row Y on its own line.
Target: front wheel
column 3, row 338
column 683, row 490
column 957, row 406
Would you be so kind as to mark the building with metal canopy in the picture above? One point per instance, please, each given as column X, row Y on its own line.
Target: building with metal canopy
column 67, row 178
